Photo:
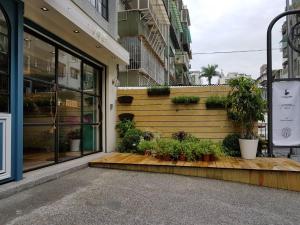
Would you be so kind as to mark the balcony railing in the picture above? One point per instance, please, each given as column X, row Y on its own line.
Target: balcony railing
column 182, row 58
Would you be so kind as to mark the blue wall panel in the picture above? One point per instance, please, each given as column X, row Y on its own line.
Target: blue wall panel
column 14, row 10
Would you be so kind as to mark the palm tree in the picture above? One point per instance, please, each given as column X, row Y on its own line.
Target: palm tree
column 209, row 72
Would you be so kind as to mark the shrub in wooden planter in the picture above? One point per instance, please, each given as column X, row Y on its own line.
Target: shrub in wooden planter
column 216, row 102
column 186, row 100
column 126, row 116
column 159, row 91
column 125, row 99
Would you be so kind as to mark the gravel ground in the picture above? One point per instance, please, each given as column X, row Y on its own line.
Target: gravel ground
column 99, row 196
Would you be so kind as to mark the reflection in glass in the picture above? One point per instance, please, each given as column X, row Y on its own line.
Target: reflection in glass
column 69, row 106
column 4, row 103
column 90, row 109
column 69, row 142
column 90, row 138
column 39, row 146
column 39, row 102
column 90, row 79
column 3, row 44
column 69, row 70
column 39, row 59
column 4, row 84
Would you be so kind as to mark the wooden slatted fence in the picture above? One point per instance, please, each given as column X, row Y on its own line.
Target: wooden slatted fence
column 161, row 116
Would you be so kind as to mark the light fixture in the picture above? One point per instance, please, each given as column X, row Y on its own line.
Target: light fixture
column 76, row 31
column 98, row 46
column 26, row 39
column 44, row 9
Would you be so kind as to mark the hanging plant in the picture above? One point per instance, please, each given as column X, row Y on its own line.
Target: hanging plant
column 159, row 91
column 186, row 100
column 216, row 102
column 125, row 99
column 126, row 116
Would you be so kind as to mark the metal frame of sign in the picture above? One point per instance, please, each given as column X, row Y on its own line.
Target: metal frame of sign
column 270, row 79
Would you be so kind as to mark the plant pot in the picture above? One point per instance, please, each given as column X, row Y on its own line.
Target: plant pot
column 206, row 157
column 212, row 158
column 182, row 157
column 167, row 158
column 248, row 148
column 126, row 116
column 148, row 153
column 125, row 99
column 75, row 145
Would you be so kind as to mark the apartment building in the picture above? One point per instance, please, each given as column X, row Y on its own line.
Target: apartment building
column 156, row 34
column 58, row 76
column 290, row 57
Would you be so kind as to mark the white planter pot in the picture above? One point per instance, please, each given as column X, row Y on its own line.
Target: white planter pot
column 75, row 145
column 248, row 148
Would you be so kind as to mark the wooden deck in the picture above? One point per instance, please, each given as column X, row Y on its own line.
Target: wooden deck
column 278, row 173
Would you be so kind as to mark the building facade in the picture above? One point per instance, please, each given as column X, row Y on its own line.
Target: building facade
column 156, row 34
column 224, row 79
column 291, row 59
column 195, row 77
column 60, row 63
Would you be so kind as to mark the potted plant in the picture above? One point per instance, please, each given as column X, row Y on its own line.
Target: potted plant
column 126, row 116
column 159, row 91
column 125, row 99
column 246, row 108
column 74, row 138
column 216, row 102
column 186, row 100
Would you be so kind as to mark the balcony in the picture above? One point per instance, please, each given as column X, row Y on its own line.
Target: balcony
column 182, row 58
column 147, row 18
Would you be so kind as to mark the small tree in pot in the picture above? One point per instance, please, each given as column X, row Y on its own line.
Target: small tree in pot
column 246, row 106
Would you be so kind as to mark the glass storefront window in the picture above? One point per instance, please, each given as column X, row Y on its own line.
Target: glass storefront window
column 90, row 109
column 61, row 102
column 39, row 59
column 69, row 106
column 39, row 102
column 69, row 142
column 69, row 71
column 91, row 138
column 90, row 79
column 39, row 146
column 4, row 65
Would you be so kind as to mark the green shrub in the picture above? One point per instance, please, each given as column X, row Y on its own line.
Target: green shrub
column 123, row 126
column 216, row 102
column 131, row 141
column 247, row 105
column 186, row 100
column 191, row 150
column 168, row 147
column 147, row 145
column 158, row 91
column 231, row 145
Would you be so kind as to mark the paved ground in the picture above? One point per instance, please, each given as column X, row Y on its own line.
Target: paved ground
column 98, row 196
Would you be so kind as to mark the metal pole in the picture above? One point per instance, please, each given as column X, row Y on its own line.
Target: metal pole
column 289, row 51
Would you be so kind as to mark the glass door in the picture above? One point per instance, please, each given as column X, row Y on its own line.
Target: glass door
column 62, row 104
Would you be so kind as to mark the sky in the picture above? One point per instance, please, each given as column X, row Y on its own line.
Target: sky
column 229, row 25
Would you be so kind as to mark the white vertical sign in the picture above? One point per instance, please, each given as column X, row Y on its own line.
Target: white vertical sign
column 286, row 113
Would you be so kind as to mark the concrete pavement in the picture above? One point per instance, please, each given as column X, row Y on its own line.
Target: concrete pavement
column 98, row 196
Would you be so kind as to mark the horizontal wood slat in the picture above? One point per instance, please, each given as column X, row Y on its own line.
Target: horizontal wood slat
column 268, row 172
column 159, row 115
